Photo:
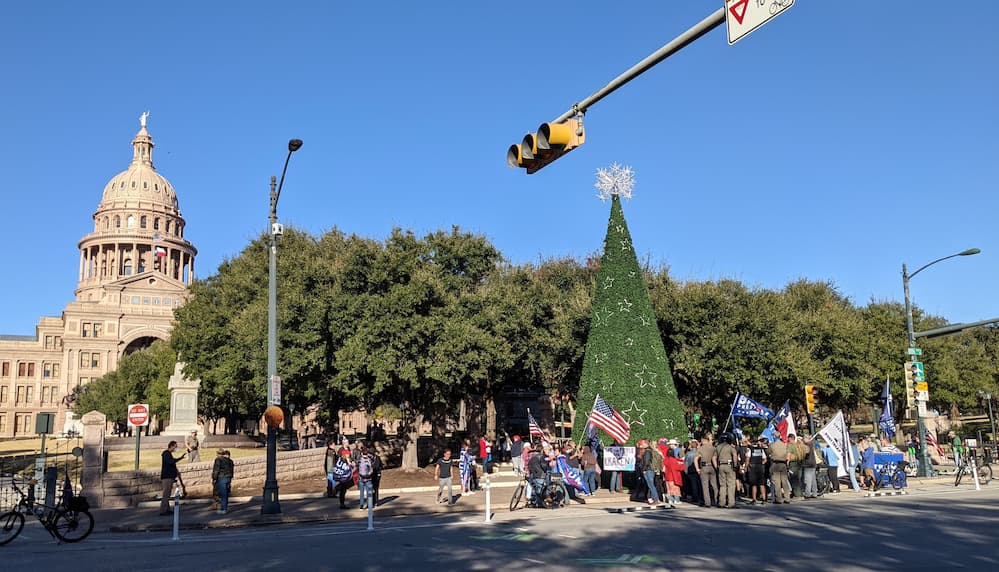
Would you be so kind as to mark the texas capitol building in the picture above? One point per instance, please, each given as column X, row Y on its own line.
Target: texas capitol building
column 135, row 268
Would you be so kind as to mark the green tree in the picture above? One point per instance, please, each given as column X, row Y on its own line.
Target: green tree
column 141, row 377
column 625, row 361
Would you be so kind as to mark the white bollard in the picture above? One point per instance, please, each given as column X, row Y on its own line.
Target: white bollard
column 371, row 510
column 489, row 515
column 176, row 515
column 974, row 473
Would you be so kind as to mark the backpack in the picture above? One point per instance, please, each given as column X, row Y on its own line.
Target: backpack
column 365, row 468
column 657, row 460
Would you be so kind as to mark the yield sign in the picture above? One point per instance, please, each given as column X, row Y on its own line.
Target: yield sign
column 744, row 16
column 738, row 10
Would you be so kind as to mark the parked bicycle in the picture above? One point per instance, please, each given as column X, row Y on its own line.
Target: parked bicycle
column 69, row 521
column 984, row 473
column 894, row 475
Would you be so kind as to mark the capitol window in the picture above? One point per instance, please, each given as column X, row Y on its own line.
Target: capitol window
column 130, row 221
column 142, row 222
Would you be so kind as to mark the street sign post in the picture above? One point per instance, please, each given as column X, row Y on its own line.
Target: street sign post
column 275, row 398
column 914, row 351
column 744, row 16
column 138, row 417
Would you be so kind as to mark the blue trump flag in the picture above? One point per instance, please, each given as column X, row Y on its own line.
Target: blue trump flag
column 746, row 407
column 573, row 477
column 887, row 420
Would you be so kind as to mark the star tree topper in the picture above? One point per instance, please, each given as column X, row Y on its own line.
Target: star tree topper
column 616, row 180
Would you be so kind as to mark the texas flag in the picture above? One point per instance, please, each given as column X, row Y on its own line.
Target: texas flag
column 781, row 425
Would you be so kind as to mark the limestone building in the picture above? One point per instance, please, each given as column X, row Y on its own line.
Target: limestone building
column 135, row 268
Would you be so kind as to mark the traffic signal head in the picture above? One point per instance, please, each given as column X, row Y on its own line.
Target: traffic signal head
column 811, row 398
column 910, row 384
column 551, row 141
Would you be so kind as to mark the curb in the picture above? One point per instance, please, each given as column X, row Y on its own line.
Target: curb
column 640, row 508
column 886, row 494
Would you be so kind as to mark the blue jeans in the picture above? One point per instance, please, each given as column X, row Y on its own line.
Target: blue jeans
column 538, row 488
column 615, row 481
column 590, row 478
column 223, row 487
column 650, row 481
column 365, row 488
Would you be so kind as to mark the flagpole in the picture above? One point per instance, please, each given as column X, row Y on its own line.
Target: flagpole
column 731, row 410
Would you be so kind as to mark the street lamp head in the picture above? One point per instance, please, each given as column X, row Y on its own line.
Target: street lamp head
column 296, row 144
column 968, row 252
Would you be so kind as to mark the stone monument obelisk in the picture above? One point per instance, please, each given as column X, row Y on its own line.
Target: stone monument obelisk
column 183, row 404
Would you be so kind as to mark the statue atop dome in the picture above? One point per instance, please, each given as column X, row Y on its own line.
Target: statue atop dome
column 142, row 119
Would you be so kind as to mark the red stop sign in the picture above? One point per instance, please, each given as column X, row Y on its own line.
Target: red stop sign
column 138, row 415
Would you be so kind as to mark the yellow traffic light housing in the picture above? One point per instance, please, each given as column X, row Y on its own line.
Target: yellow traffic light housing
column 551, row 141
column 811, row 398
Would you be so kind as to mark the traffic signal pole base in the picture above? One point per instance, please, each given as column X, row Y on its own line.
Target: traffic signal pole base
column 271, row 504
column 923, row 468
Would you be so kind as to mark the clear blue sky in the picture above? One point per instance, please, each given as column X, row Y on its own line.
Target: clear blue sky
column 835, row 143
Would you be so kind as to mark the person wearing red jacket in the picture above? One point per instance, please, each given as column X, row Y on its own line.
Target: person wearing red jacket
column 673, row 476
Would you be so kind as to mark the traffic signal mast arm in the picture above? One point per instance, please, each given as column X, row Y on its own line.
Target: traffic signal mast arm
column 523, row 155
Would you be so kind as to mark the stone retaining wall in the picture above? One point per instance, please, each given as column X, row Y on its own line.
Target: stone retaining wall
column 128, row 488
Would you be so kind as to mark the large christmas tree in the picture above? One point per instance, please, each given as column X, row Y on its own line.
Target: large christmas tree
column 625, row 361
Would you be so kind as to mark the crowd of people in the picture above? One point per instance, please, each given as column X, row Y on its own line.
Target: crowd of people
column 708, row 472
column 346, row 467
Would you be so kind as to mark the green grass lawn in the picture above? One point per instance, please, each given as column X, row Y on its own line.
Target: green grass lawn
column 150, row 458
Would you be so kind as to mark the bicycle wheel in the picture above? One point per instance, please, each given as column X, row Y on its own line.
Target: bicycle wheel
column 554, row 497
column 898, row 480
column 985, row 474
column 72, row 526
column 11, row 524
column 518, row 495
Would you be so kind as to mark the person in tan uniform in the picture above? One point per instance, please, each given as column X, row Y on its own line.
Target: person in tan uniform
column 706, row 461
column 778, row 472
column 728, row 460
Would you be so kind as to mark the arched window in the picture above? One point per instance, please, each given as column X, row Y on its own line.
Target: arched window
column 130, row 221
column 117, row 221
column 156, row 223
column 107, row 223
column 168, row 227
column 128, row 267
column 142, row 221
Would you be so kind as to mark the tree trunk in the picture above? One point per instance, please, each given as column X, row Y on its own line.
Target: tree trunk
column 411, row 434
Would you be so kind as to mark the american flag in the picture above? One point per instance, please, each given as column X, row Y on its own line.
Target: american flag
column 604, row 417
column 533, row 427
column 932, row 442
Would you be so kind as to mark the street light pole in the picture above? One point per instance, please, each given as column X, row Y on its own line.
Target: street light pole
column 271, row 505
column 924, row 468
column 992, row 420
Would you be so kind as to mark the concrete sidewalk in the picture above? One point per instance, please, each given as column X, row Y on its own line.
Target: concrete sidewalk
column 196, row 514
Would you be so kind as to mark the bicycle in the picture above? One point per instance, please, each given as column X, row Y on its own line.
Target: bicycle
column 552, row 496
column 984, row 473
column 822, row 483
column 894, row 475
column 68, row 522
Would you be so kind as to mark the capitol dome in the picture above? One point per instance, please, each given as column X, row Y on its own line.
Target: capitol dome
column 140, row 183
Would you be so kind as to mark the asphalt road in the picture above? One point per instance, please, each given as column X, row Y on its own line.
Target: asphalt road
column 942, row 529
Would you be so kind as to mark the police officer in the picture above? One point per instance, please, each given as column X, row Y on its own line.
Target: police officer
column 778, row 472
column 728, row 459
column 706, row 461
